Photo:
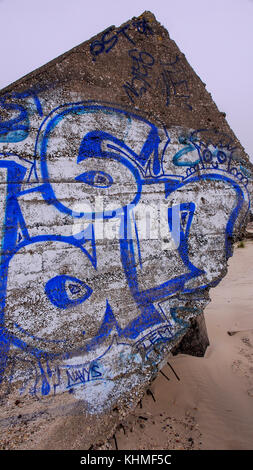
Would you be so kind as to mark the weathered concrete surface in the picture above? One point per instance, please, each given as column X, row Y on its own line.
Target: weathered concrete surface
column 93, row 297
column 195, row 340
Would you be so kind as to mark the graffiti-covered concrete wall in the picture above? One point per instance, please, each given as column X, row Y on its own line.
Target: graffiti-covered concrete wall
column 122, row 191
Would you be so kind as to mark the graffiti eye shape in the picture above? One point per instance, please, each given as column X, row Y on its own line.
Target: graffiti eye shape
column 97, row 179
column 207, row 155
column 66, row 291
column 221, row 156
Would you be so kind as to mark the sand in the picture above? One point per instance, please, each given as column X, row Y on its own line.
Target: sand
column 211, row 406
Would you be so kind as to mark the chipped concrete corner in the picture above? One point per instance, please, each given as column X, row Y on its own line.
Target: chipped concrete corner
column 122, row 190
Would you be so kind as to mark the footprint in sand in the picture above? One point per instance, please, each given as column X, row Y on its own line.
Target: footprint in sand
column 238, row 367
column 247, row 352
column 243, row 366
column 246, row 341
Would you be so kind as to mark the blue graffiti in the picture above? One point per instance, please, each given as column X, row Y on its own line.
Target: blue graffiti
column 211, row 148
column 77, row 376
column 63, row 290
column 189, row 147
column 246, row 172
column 111, row 36
column 17, row 128
column 57, row 291
column 171, row 82
column 165, row 333
column 98, row 179
column 141, row 70
column 174, row 83
column 91, row 146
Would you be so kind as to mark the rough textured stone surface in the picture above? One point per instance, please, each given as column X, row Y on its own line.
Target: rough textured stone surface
column 122, row 191
column 195, row 340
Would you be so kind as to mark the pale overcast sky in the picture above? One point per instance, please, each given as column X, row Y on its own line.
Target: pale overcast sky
column 215, row 35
